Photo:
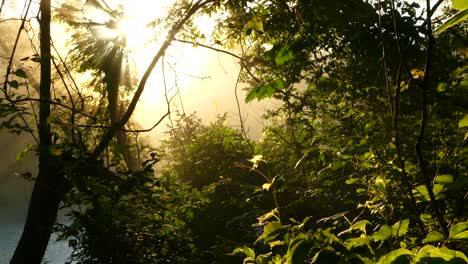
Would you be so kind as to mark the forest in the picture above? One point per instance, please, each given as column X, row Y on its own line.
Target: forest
column 363, row 160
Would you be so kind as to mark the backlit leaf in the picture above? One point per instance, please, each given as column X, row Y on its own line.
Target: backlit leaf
column 457, row 18
column 13, row 84
column 284, row 55
column 20, row 73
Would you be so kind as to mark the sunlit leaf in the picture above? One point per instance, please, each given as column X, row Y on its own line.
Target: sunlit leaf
column 433, row 236
column 246, row 250
column 400, row 228
column 264, row 217
column 438, row 254
column 393, row 256
column 444, row 179
column 361, row 225
column 256, row 160
column 421, row 194
column 460, row 4
column 459, row 231
column 442, row 87
column 463, row 122
column 256, row 23
column 276, row 243
column 383, row 234
column 425, row 217
column 266, row 186
column 357, row 242
column 270, row 231
column 417, row 74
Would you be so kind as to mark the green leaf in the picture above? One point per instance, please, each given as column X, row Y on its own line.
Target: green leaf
column 383, row 234
column 396, row 256
column 276, row 243
column 442, row 87
column 433, row 236
column 361, row 225
column 246, row 251
column 463, row 122
column 425, row 218
column 460, row 4
column 20, row 73
column 431, row 254
column 297, row 250
column 284, row 55
column 421, row 194
column 264, row 217
column 357, row 242
column 55, row 150
column 279, row 84
column 437, row 189
column 455, row 19
column 271, row 230
column 256, row 23
column 400, row 229
column 260, row 92
column 13, row 84
column 459, row 231
column 444, row 179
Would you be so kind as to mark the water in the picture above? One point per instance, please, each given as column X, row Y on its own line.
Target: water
column 57, row 252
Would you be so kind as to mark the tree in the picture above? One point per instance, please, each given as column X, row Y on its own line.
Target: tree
column 49, row 185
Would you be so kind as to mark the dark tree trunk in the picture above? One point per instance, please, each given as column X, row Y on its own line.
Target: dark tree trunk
column 113, row 77
column 48, row 186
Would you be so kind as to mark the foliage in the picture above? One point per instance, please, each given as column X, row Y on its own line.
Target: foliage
column 201, row 154
column 363, row 131
column 205, row 156
column 130, row 217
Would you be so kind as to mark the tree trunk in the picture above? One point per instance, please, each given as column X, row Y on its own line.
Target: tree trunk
column 48, row 186
column 113, row 77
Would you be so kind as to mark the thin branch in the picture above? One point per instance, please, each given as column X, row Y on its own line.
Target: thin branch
column 49, row 102
column 400, row 49
column 242, row 60
column 401, row 161
column 423, row 164
column 15, row 46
